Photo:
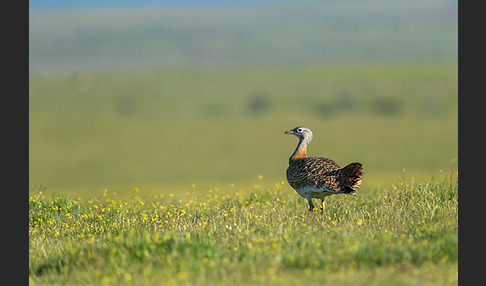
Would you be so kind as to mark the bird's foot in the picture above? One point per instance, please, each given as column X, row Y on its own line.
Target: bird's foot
column 311, row 205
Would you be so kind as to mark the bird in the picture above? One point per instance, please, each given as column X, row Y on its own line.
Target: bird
column 318, row 177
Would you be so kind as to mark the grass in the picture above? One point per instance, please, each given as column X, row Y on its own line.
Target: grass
column 168, row 129
column 403, row 234
column 151, row 177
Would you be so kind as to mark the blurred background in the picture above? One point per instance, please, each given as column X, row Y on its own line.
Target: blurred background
column 181, row 96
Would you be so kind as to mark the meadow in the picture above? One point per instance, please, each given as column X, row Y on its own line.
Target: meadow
column 406, row 234
column 165, row 129
column 177, row 176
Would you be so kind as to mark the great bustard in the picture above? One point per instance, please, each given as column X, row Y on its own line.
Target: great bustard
column 317, row 177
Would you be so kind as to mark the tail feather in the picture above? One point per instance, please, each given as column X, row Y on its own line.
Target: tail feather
column 350, row 177
column 349, row 191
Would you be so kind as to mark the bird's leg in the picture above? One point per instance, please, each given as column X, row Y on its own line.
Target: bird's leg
column 311, row 205
column 322, row 205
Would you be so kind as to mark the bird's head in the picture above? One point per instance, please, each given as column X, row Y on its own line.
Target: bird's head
column 303, row 133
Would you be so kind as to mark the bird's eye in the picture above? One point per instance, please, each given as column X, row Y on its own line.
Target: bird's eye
column 299, row 130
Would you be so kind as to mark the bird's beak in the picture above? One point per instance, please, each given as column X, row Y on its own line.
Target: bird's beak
column 289, row 132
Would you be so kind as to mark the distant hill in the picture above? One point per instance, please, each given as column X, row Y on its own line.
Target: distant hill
column 74, row 4
column 249, row 33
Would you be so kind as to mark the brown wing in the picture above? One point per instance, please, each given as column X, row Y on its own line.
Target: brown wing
column 320, row 172
column 310, row 171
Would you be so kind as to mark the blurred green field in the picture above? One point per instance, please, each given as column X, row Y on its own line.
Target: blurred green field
column 164, row 130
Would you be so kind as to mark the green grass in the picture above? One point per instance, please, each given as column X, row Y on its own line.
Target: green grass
column 174, row 177
column 403, row 234
column 165, row 130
